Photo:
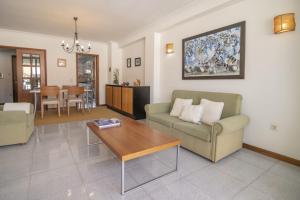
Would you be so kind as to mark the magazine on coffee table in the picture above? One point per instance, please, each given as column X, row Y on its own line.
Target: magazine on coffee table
column 107, row 123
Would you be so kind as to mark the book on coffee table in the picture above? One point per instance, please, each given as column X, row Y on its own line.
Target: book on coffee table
column 107, row 123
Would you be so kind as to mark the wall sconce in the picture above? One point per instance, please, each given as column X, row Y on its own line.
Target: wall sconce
column 169, row 48
column 284, row 23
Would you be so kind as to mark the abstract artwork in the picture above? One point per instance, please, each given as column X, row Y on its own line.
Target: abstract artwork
column 217, row 54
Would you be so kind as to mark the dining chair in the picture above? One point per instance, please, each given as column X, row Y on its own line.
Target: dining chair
column 65, row 95
column 50, row 96
column 75, row 95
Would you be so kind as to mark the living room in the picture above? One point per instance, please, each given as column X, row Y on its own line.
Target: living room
column 136, row 56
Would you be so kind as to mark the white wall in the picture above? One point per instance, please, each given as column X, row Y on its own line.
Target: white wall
column 58, row 75
column 6, row 84
column 115, row 61
column 134, row 50
column 271, row 86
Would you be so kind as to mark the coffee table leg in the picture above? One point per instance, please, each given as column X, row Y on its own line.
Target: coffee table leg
column 88, row 138
column 122, row 177
column 177, row 156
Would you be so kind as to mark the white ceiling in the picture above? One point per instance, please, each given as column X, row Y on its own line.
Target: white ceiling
column 101, row 20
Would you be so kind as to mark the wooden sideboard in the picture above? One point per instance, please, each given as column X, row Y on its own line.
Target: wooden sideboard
column 128, row 100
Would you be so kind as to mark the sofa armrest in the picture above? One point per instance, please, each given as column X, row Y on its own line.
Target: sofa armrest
column 10, row 117
column 230, row 124
column 157, row 108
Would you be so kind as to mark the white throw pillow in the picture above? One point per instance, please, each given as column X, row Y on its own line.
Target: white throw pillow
column 179, row 105
column 212, row 111
column 192, row 113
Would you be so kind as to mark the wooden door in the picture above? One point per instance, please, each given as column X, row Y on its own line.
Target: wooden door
column 117, row 97
column 14, row 76
column 31, row 72
column 127, row 100
column 108, row 95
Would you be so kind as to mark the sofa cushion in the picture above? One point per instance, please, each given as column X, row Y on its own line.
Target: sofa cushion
column 163, row 118
column 201, row 131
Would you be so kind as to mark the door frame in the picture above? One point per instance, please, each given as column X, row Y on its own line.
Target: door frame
column 97, row 73
column 27, row 48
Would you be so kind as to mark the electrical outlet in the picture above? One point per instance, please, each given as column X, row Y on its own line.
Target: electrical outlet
column 273, row 127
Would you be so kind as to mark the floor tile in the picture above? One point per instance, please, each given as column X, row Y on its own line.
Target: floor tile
column 252, row 194
column 14, row 169
column 109, row 188
column 215, row 184
column 77, row 193
column 180, row 189
column 55, row 182
column 239, row 169
column 94, row 170
column 286, row 170
column 52, row 158
column 280, row 188
column 255, row 159
column 14, row 190
column 93, row 152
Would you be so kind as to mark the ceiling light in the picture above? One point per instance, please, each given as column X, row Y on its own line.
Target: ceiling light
column 76, row 44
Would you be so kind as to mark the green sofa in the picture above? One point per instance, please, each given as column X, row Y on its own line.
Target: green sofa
column 212, row 142
column 16, row 127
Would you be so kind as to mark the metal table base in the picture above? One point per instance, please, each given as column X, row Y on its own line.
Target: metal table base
column 123, row 191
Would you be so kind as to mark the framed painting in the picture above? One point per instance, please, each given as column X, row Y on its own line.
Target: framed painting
column 137, row 62
column 61, row 62
column 217, row 54
column 128, row 62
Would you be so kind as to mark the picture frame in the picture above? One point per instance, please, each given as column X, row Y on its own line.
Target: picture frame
column 138, row 61
column 216, row 54
column 128, row 60
column 61, row 62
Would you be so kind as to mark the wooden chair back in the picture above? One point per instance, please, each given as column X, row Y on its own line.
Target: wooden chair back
column 50, row 91
column 75, row 90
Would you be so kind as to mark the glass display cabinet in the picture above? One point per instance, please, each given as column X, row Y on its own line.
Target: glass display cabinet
column 87, row 77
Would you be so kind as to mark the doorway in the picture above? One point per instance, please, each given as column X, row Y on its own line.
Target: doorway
column 28, row 72
column 87, row 70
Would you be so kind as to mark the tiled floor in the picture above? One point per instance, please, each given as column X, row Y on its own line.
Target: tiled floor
column 57, row 164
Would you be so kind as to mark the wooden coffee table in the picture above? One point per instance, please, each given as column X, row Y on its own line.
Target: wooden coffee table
column 133, row 140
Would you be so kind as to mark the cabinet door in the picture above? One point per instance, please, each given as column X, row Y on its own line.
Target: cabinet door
column 127, row 100
column 117, row 97
column 108, row 95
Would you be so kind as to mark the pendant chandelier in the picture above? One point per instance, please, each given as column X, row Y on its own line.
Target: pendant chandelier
column 76, row 46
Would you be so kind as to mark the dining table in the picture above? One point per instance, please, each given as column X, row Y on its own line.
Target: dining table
column 36, row 92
